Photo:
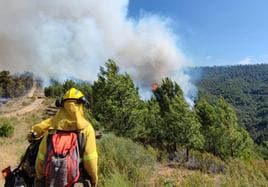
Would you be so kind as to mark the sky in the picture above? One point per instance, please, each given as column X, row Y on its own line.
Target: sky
column 213, row 32
column 148, row 39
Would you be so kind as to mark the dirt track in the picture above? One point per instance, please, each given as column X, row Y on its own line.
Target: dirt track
column 25, row 109
column 24, row 104
column 13, row 147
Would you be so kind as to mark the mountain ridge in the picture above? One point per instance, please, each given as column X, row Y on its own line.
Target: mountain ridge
column 243, row 86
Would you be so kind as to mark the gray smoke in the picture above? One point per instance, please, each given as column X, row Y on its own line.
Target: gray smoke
column 64, row 38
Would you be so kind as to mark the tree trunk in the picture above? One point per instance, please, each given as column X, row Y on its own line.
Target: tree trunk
column 187, row 154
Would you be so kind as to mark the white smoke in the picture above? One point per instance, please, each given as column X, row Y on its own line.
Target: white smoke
column 60, row 39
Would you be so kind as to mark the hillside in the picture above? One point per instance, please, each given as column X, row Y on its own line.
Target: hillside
column 22, row 114
column 200, row 170
column 12, row 86
column 246, row 88
column 180, row 147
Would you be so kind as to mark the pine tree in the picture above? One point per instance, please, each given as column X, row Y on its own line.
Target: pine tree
column 207, row 117
column 116, row 101
column 153, row 123
column 223, row 135
column 235, row 141
column 180, row 126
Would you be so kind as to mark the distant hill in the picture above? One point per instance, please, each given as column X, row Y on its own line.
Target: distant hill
column 12, row 86
column 245, row 87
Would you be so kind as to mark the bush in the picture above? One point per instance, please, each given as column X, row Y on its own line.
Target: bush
column 198, row 179
column 6, row 128
column 237, row 173
column 205, row 162
column 117, row 179
column 250, row 173
column 122, row 157
column 262, row 150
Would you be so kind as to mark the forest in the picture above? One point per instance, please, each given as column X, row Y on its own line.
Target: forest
column 165, row 121
column 14, row 85
column 244, row 87
column 230, row 97
column 208, row 142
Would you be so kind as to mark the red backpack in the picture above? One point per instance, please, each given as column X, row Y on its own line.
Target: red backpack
column 62, row 159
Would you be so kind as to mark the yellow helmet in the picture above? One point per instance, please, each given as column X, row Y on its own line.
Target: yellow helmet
column 73, row 93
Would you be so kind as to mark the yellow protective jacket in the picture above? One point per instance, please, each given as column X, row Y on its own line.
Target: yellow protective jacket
column 65, row 122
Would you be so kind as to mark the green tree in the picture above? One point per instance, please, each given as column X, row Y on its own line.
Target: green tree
column 245, row 87
column 151, row 132
column 234, row 141
column 223, row 135
column 116, row 101
column 180, row 126
column 68, row 84
column 166, row 92
column 5, row 83
column 14, row 85
column 208, row 118
column 54, row 90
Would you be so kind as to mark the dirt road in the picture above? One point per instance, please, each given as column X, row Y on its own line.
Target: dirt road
column 13, row 147
column 24, row 104
column 36, row 104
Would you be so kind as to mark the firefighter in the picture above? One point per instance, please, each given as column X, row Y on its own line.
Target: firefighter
column 69, row 118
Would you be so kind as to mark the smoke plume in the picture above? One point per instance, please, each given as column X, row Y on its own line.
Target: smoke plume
column 60, row 39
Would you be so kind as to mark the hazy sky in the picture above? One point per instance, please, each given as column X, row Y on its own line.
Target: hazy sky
column 214, row 32
column 62, row 39
column 149, row 39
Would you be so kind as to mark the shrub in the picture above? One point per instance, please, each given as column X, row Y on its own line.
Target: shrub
column 205, row 162
column 122, row 157
column 117, row 179
column 198, row 179
column 237, row 173
column 242, row 173
column 6, row 128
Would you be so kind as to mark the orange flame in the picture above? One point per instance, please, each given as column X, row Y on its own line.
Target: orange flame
column 154, row 86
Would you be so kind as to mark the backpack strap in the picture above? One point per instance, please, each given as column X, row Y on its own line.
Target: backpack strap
column 49, row 139
column 81, row 142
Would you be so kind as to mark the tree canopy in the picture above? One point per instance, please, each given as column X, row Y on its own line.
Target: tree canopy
column 245, row 87
column 14, row 85
column 165, row 121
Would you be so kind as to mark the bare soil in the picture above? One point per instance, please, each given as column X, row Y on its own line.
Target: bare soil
column 23, row 112
column 22, row 105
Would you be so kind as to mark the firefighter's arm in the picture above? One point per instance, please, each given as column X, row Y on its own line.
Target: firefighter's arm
column 39, row 163
column 90, row 156
column 39, row 129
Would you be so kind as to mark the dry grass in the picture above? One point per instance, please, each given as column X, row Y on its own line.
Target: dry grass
column 239, row 173
column 254, row 173
column 12, row 148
